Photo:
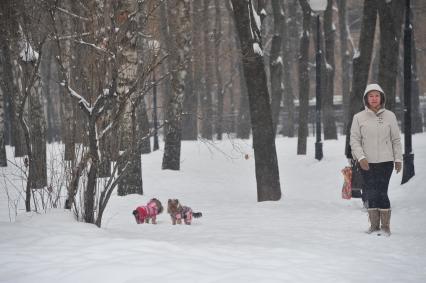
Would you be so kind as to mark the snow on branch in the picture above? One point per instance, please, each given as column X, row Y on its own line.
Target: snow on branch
column 72, row 14
column 81, row 100
column 257, row 49
column 255, row 29
column 28, row 54
column 256, row 17
column 103, row 50
column 71, row 36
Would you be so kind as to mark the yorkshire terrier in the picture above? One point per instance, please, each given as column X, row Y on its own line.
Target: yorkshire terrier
column 179, row 212
column 143, row 214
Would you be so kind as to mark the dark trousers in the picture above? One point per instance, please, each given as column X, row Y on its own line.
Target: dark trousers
column 376, row 182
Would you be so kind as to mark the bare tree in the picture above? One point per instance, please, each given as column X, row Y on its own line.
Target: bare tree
column 180, row 27
column 344, row 57
column 127, row 74
column 191, row 101
column 11, row 75
column 361, row 65
column 192, row 83
column 243, row 119
column 267, row 173
column 276, row 62
column 108, row 102
column 3, row 157
column 304, row 79
column 417, row 121
column 289, row 27
column 206, row 99
column 330, row 130
column 391, row 17
column 217, row 33
column 49, row 89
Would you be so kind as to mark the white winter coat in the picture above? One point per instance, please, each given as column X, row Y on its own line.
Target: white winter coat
column 375, row 136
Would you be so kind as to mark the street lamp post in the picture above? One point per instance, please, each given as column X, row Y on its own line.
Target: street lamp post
column 408, row 166
column 318, row 6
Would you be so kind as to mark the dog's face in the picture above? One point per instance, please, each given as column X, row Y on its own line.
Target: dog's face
column 159, row 205
column 173, row 206
column 136, row 215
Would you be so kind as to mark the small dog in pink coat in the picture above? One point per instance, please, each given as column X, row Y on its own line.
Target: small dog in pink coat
column 143, row 214
column 179, row 212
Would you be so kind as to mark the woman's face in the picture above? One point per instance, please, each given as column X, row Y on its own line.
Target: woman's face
column 373, row 98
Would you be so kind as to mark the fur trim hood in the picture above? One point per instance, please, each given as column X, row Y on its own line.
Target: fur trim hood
column 371, row 87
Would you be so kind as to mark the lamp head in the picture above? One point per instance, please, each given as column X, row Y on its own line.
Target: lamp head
column 318, row 5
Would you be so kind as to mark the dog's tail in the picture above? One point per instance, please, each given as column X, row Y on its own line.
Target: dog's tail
column 197, row 214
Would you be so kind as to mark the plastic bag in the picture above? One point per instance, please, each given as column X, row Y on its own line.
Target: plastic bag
column 347, row 184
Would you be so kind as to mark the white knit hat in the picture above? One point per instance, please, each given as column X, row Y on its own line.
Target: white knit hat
column 371, row 87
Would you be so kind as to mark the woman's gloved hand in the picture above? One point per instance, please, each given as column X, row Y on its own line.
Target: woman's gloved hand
column 398, row 167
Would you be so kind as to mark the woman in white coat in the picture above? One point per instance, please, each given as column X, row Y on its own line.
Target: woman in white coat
column 376, row 144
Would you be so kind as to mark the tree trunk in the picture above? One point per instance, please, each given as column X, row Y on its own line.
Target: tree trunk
column 3, row 157
column 287, row 51
column 190, row 99
column 29, row 85
column 390, row 33
column 131, row 183
column 267, row 173
column 304, row 80
column 197, row 65
column 330, row 130
column 74, row 65
column 53, row 128
column 143, row 128
column 190, row 105
column 276, row 63
column 344, row 56
column 156, row 145
column 9, row 78
column 233, row 68
column 38, row 171
column 180, row 28
column 166, row 67
column 361, row 65
column 105, row 160
column 206, row 100
column 243, row 119
column 8, row 44
column 89, row 193
column 219, row 86
column 417, row 120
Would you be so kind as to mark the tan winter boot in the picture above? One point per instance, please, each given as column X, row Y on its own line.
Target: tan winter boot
column 374, row 217
column 385, row 215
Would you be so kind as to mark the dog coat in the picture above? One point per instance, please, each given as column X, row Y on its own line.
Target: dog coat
column 146, row 212
column 185, row 214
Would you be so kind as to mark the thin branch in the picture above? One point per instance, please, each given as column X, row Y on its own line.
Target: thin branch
column 72, row 14
column 97, row 48
column 71, row 36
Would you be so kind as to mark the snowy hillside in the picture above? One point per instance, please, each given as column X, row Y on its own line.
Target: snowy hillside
column 311, row 235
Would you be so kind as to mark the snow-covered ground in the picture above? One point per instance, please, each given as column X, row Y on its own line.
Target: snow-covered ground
column 310, row 235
